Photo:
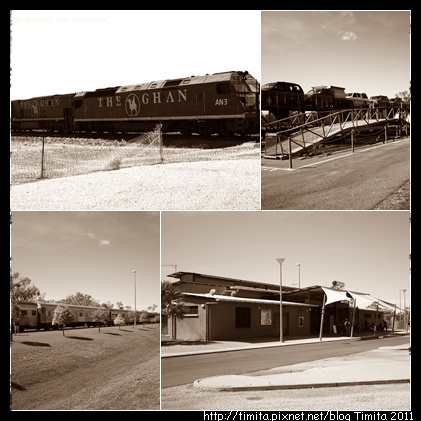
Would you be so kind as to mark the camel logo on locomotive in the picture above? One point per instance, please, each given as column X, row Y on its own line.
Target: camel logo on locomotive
column 132, row 105
column 35, row 109
column 133, row 102
column 36, row 106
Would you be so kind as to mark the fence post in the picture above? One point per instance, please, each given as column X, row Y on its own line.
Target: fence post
column 352, row 140
column 42, row 155
column 290, row 153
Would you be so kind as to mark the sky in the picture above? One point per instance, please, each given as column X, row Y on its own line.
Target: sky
column 361, row 51
column 90, row 252
column 369, row 251
column 66, row 51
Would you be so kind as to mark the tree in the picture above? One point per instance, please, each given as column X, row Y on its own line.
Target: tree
column 152, row 308
column 144, row 317
column 119, row 320
column 101, row 316
column 131, row 315
column 22, row 290
column 119, row 305
column 80, row 299
column 16, row 315
column 62, row 316
column 108, row 305
column 172, row 301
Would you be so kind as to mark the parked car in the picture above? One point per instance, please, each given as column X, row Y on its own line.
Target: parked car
column 359, row 99
column 380, row 101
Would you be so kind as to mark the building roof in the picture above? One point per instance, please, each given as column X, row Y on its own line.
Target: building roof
column 216, row 297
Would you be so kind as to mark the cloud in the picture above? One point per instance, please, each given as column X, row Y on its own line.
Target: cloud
column 91, row 235
column 104, row 243
column 349, row 36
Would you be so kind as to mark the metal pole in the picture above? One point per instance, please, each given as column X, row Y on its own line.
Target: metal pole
column 299, row 275
column 134, row 323
column 281, row 330
column 400, row 310
column 353, row 318
column 322, row 317
column 404, row 311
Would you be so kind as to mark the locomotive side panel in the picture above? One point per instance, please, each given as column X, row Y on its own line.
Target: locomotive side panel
column 52, row 112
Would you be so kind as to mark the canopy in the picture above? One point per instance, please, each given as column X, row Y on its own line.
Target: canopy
column 362, row 301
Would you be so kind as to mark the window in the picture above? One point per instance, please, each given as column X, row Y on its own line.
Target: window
column 265, row 317
column 222, row 88
column 191, row 311
column 24, row 312
column 242, row 317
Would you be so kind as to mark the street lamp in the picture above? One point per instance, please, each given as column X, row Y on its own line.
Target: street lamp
column 134, row 324
column 299, row 266
column 281, row 333
column 404, row 311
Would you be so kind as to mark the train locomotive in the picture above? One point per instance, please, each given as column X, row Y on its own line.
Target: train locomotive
column 281, row 98
column 40, row 315
column 221, row 103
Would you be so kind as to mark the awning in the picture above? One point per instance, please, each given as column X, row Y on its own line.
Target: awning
column 230, row 298
column 362, row 301
column 335, row 295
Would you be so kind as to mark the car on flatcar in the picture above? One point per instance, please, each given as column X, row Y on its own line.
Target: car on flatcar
column 380, row 101
column 359, row 99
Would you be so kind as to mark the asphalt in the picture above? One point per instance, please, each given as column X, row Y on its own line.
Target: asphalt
column 384, row 365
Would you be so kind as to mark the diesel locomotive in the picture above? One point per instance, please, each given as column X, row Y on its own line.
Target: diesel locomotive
column 221, row 103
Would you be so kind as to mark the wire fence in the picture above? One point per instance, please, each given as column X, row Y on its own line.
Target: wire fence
column 35, row 158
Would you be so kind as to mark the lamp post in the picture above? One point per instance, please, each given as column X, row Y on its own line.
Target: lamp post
column 404, row 311
column 134, row 323
column 281, row 333
column 400, row 308
column 299, row 275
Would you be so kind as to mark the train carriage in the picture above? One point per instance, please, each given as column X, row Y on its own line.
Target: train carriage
column 28, row 315
column 40, row 315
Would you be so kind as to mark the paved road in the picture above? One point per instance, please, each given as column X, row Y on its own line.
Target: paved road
column 376, row 379
column 344, row 180
column 182, row 364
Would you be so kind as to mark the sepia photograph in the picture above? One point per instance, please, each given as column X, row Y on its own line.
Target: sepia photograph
column 341, row 281
column 85, row 311
column 210, row 213
column 335, row 109
column 135, row 109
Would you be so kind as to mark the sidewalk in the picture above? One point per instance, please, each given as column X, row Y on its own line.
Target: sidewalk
column 380, row 366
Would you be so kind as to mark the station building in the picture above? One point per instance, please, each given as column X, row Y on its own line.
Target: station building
column 219, row 308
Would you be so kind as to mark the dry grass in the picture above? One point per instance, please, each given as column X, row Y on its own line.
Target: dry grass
column 87, row 369
column 65, row 157
column 399, row 200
